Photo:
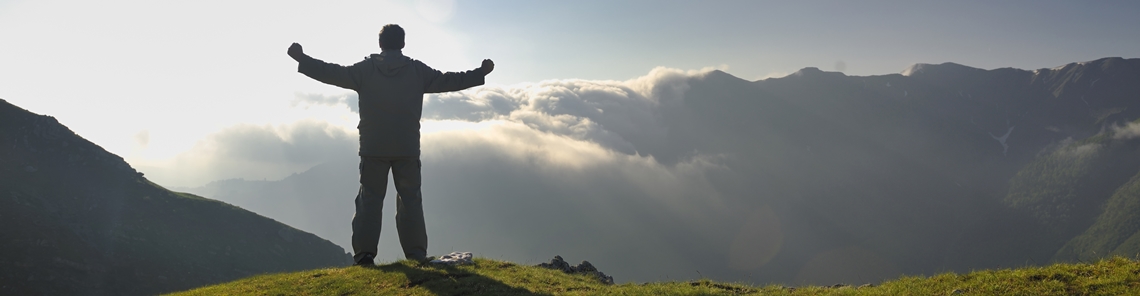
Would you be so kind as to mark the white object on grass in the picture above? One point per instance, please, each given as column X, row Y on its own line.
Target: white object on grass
column 455, row 258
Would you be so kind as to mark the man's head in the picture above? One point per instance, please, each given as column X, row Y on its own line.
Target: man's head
column 391, row 37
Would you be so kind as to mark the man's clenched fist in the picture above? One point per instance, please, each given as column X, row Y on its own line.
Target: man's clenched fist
column 295, row 51
column 487, row 67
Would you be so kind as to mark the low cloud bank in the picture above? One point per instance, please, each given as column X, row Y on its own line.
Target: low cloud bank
column 618, row 116
column 254, row 152
column 347, row 99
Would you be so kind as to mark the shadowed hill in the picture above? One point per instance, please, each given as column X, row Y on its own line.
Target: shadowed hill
column 78, row 220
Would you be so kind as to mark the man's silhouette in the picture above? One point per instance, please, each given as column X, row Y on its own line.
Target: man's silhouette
column 391, row 89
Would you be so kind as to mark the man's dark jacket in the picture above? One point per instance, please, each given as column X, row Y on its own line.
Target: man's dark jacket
column 391, row 89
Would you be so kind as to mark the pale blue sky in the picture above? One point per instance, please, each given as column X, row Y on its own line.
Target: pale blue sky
column 147, row 79
column 604, row 40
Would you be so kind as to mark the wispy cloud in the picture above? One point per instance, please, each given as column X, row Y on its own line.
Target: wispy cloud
column 349, row 100
column 1128, row 131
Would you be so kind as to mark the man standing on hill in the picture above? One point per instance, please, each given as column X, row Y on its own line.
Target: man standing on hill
column 391, row 89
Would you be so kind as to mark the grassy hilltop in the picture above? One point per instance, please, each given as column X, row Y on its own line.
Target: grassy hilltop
column 1115, row 276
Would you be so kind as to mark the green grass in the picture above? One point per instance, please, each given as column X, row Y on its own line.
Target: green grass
column 1115, row 276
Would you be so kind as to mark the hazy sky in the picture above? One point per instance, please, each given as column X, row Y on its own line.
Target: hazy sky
column 149, row 79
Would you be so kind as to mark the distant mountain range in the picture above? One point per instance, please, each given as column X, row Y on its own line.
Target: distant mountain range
column 78, row 220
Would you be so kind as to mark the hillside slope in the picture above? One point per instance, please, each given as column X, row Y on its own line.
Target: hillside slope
column 1117, row 276
column 1093, row 187
column 1115, row 232
column 76, row 219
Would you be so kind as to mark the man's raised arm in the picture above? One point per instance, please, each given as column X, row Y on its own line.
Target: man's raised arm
column 321, row 71
column 437, row 82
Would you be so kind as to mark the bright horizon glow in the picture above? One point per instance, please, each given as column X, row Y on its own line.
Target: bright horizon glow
column 147, row 80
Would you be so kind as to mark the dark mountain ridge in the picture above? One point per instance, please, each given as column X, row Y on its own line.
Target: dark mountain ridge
column 914, row 166
column 78, row 220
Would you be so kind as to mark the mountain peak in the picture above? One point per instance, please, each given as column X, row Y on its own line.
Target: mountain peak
column 718, row 74
column 938, row 70
column 816, row 72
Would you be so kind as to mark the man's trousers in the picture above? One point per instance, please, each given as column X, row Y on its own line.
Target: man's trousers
column 370, row 204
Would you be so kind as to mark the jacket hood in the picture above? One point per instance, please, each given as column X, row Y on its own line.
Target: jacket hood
column 389, row 63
